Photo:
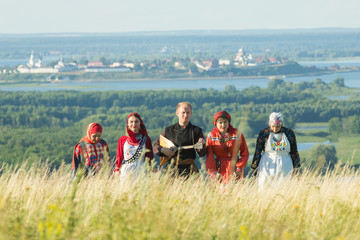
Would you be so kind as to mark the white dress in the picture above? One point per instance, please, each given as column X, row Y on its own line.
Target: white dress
column 133, row 162
column 275, row 163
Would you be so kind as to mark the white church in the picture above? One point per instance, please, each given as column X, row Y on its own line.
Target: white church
column 36, row 67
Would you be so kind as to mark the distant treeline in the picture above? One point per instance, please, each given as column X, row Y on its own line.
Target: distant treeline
column 302, row 102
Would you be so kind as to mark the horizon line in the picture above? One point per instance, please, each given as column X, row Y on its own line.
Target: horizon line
column 189, row 31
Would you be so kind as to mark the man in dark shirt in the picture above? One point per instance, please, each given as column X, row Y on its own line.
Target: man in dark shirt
column 182, row 133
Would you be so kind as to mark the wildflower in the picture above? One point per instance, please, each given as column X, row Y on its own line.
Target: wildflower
column 243, row 232
column 52, row 207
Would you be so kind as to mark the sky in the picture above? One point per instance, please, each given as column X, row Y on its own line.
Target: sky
column 57, row 16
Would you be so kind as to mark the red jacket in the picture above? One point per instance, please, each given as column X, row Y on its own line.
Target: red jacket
column 223, row 150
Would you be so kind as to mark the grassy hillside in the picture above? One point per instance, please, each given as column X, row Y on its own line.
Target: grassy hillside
column 37, row 204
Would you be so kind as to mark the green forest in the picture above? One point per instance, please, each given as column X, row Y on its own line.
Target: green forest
column 45, row 126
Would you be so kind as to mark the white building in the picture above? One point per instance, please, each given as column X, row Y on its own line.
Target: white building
column 69, row 67
column 37, row 67
column 242, row 58
column 224, row 62
column 129, row 65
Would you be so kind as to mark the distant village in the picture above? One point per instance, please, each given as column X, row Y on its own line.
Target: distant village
column 240, row 59
column 185, row 65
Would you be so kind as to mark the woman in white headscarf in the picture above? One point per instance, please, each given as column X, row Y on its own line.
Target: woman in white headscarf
column 276, row 155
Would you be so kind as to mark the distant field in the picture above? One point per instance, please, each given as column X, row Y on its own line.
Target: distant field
column 311, row 132
column 312, row 125
column 37, row 204
column 347, row 148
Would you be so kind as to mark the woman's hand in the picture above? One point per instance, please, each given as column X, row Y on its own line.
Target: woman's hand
column 295, row 172
column 239, row 175
column 97, row 167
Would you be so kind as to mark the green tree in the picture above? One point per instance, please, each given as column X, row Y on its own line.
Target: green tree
column 245, row 128
column 324, row 158
column 335, row 126
column 84, row 61
column 230, row 88
column 105, row 61
column 352, row 125
column 339, row 82
column 275, row 83
column 193, row 68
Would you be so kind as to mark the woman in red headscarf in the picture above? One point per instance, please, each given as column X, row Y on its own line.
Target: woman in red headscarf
column 225, row 142
column 132, row 146
column 91, row 151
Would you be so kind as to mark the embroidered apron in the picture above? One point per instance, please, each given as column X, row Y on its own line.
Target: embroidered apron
column 276, row 162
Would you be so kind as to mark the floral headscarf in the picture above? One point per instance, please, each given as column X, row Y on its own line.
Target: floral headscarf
column 276, row 119
column 222, row 114
column 142, row 130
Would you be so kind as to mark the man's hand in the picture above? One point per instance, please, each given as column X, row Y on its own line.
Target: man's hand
column 201, row 140
column 167, row 152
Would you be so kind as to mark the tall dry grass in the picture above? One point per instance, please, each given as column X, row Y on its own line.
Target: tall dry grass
column 36, row 203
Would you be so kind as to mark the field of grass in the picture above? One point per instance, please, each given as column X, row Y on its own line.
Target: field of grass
column 38, row 204
column 347, row 149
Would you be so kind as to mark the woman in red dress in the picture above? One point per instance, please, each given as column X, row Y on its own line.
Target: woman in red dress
column 132, row 146
column 224, row 144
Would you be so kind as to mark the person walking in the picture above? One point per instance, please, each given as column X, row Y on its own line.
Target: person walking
column 224, row 145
